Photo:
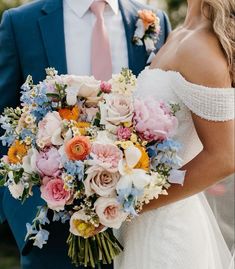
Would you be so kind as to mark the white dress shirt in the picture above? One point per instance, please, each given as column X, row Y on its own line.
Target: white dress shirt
column 78, row 27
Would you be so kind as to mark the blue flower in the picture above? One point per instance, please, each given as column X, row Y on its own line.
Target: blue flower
column 31, row 230
column 41, row 238
column 62, row 216
column 165, row 153
column 42, row 216
column 128, row 199
column 75, row 168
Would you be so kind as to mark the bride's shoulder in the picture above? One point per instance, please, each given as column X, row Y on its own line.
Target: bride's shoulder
column 201, row 60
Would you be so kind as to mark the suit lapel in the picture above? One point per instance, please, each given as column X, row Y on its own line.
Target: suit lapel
column 137, row 55
column 52, row 30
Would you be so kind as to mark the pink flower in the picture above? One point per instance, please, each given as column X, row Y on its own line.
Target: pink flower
column 123, row 133
column 5, row 159
column 105, row 87
column 50, row 127
column 153, row 121
column 53, row 192
column 48, row 162
column 106, row 156
column 100, row 181
column 110, row 212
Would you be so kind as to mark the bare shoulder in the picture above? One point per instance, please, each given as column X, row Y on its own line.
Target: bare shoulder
column 201, row 60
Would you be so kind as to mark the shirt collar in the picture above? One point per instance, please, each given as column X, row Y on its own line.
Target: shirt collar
column 80, row 7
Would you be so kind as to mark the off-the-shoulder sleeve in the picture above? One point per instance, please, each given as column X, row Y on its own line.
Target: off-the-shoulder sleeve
column 215, row 104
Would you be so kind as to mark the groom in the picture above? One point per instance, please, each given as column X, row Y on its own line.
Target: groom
column 70, row 36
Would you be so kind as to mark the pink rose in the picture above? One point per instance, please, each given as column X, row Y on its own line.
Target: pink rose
column 123, row 133
column 50, row 128
column 100, row 181
column 105, row 87
column 53, row 192
column 153, row 121
column 106, row 156
column 48, row 162
column 110, row 212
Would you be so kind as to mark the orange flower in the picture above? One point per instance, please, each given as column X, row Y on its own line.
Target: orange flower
column 78, row 148
column 144, row 160
column 82, row 126
column 148, row 17
column 69, row 114
column 16, row 152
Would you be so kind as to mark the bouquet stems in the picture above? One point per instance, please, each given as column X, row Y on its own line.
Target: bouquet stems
column 93, row 251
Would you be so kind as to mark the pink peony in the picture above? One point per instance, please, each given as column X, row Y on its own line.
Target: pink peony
column 110, row 212
column 105, row 87
column 49, row 129
column 123, row 133
column 153, row 121
column 53, row 192
column 48, row 162
column 107, row 156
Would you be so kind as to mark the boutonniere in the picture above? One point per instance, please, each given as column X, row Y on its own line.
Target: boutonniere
column 147, row 30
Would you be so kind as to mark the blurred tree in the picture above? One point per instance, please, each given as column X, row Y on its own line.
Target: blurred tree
column 6, row 4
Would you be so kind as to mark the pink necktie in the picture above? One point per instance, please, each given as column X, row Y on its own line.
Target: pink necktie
column 101, row 60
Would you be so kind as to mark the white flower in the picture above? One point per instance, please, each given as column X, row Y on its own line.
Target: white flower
column 129, row 175
column 121, row 86
column 16, row 190
column 29, row 161
column 110, row 212
column 140, row 29
column 82, row 86
column 50, row 128
column 149, row 44
column 115, row 110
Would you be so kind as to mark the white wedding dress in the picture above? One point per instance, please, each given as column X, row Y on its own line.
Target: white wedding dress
column 183, row 235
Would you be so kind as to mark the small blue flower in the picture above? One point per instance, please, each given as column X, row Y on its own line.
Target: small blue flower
column 75, row 168
column 31, row 230
column 62, row 216
column 41, row 238
column 128, row 199
column 42, row 216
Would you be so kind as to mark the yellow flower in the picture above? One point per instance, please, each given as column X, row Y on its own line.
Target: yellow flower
column 128, row 124
column 134, row 138
column 144, row 160
column 16, row 152
column 125, row 144
column 84, row 229
column 82, row 126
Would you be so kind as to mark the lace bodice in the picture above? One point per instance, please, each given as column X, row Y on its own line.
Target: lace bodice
column 213, row 104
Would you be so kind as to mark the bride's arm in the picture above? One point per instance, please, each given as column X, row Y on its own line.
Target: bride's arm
column 214, row 163
column 216, row 160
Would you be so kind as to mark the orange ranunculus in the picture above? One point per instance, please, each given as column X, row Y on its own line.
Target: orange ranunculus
column 82, row 127
column 144, row 160
column 148, row 17
column 78, row 148
column 16, row 152
column 70, row 114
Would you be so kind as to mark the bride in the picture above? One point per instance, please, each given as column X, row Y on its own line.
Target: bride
column 196, row 69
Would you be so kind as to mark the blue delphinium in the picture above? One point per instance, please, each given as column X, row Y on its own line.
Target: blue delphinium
column 41, row 238
column 62, row 216
column 75, row 168
column 42, row 216
column 165, row 153
column 128, row 199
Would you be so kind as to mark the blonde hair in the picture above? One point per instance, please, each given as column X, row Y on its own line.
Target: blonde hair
column 222, row 15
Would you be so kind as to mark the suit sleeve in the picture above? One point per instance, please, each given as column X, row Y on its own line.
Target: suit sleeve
column 10, row 78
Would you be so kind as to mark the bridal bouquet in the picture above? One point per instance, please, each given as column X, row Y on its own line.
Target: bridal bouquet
column 97, row 154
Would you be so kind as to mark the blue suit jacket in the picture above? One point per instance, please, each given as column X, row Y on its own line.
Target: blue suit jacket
column 32, row 39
